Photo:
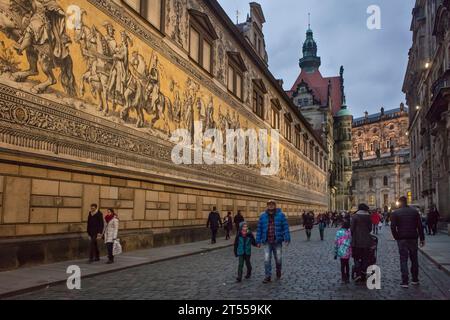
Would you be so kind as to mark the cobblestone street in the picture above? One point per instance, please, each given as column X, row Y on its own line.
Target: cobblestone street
column 310, row 272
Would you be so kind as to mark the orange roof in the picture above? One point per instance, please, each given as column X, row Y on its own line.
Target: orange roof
column 319, row 85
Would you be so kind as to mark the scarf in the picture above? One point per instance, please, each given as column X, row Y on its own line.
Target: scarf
column 109, row 217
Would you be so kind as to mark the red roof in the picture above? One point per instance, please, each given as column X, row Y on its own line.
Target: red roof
column 319, row 85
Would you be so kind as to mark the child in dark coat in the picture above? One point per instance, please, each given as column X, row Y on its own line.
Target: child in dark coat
column 243, row 249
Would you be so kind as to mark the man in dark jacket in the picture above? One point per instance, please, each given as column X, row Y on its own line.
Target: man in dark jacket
column 308, row 224
column 361, row 226
column 214, row 222
column 94, row 229
column 406, row 226
column 433, row 219
column 238, row 218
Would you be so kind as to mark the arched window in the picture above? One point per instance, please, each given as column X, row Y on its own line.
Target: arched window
column 385, row 181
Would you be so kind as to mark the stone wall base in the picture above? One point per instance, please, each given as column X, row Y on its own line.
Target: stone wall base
column 32, row 251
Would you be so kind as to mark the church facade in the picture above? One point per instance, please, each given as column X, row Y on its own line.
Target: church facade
column 321, row 100
column 90, row 95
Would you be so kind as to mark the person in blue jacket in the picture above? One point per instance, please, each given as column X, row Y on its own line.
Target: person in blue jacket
column 273, row 230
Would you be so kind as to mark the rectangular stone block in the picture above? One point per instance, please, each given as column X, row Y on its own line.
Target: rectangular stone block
column 145, row 224
column 79, row 177
column 163, row 215
column 126, row 194
column 173, row 209
column 77, row 227
column 43, row 215
column 139, row 204
column 109, row 192
column 56, row 228
column 69, row 215
column 72, row 202
column 17, row 200
column 45, row 187
column 6, row 168
column 133, row 184
column 132, row 225
column 59, row 175
column 151, row 215
column 101, row 180
column 42, row 201
column 157, row 224
column 67, row 189
column 151, row 205
column 151, row 196
column 169, row 188
column 118, row 182
column 7, row 230
column 29, row 229
column 91, row 194
column 105, row 204
column 125, row 204
column 168, row 223
column 158, row 187
column 147, row 185
column 33, row 172
column 125, row 214
column 192, row 199
column 163, row 197
column 182, row 198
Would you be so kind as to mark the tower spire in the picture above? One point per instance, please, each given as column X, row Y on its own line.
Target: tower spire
column 309, row 20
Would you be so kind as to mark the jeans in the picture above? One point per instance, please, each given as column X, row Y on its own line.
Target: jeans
column 345, row 269
column 408, row 248
column 361, row 258
column 213, row 235
column 93, row 248
column 227, row 234
column 308, row 233
column 246, row 259
column 275, row 249
column 321, row 231
column 109, row 247
column 375, row 228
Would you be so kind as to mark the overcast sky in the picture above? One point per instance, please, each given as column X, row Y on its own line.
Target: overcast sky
column 374, row 60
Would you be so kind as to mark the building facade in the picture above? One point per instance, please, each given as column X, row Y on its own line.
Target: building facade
column 321, row 100
column 427, row 87
column 381, row 159
column 90, row 95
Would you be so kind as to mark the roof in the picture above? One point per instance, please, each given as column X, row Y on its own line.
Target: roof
column 319, row 85
column 343, row 112
column 393, row 113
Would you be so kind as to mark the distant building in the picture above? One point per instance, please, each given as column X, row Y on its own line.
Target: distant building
column 427, row 89
column 381, row 152
column 321, row 100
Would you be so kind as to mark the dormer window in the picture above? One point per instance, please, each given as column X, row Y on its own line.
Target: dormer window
column 201, row 38
column 150, row 10
column 259, row 90
column 236, row 70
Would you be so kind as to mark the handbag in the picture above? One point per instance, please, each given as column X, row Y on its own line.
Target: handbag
column 117, row 247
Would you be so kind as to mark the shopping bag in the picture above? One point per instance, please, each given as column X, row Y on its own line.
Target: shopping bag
column 117, row 247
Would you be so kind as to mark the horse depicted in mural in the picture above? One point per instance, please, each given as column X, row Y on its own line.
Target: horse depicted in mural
column 99, row 58
column 38, row 28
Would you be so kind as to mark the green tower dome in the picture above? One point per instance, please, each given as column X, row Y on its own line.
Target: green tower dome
column 310, row 61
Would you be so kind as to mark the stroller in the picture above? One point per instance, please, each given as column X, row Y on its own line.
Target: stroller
column 372, row 255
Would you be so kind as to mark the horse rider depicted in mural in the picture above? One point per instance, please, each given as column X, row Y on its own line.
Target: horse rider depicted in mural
column 119, row 72
column 110, row 36
column 46, row 25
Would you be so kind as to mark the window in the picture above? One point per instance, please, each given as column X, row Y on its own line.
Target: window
column 311, row 151
column 409, row 196
column 305, row 145
column 371, row 182
column 288, row 127
column 385, row 199
column 385, row 181
column 258, row 98
column 298, row 137
column 201, row 38
column 275, row 117
column 371, row 200
column 236, row 69
column 150, row 10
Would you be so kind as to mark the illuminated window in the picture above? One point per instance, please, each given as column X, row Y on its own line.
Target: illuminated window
column 409, row 196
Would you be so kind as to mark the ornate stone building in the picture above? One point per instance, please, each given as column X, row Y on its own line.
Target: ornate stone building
column 321, row 100
column 381, row 159
column 93, row 123
column 427, row 87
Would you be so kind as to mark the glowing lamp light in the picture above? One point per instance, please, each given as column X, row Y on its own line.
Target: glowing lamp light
column 397, row 203
column 417, row 107
column 427, row 65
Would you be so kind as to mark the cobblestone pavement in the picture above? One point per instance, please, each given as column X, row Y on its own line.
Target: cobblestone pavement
column 310, row 272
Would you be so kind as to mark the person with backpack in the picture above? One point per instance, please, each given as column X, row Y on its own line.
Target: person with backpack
column 243, row 249
column 360, row 227
column 343, row 250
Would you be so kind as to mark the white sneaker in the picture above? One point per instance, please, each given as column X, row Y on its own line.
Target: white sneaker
column 415, row 283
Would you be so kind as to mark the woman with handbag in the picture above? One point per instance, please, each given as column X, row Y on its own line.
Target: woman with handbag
column 110, row 233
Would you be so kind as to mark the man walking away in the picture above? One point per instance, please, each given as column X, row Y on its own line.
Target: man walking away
column 95, row 230
column 308, row 224
column 406, row 226
column 214, row 222
column 361, row 226
column 273, row 230
column 322, row 225
column 228, row 225
column 433, row 219
column 238, row 218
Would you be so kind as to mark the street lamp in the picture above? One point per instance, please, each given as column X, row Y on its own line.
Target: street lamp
column 427, row 65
